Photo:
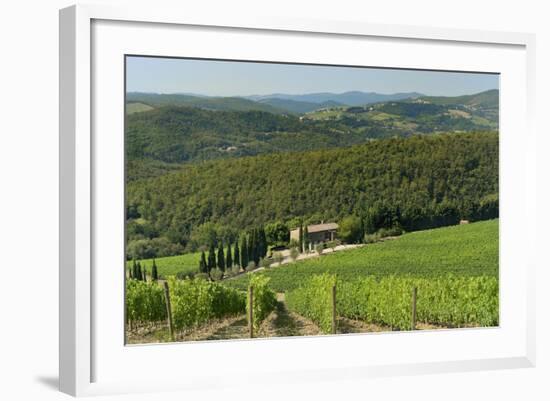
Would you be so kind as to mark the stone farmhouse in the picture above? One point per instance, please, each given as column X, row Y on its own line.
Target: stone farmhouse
column 317, row 233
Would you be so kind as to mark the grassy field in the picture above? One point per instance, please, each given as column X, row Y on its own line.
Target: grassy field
column 470, row 250
column 137, row 108
column 171, row 265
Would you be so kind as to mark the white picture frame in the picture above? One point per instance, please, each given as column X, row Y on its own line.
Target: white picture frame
column 93, row 358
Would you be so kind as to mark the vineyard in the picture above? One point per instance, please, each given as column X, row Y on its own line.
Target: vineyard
column 441, row 278
column 449, row 301
column 190, row 304
column 314, row 300
column 196, row 302
column 466, row 250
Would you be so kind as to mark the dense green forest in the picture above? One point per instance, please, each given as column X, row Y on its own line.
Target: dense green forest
column 417, row 182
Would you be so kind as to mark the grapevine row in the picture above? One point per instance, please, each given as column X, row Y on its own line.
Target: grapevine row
column 452, row 301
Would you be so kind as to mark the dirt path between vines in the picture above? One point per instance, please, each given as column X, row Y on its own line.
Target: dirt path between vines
column 284, row 323
column 348, row 326
column 280, row 323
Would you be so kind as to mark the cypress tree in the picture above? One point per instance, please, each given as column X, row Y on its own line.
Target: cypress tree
column 203, row 266
column 154, row 271
column 229, row 258
column 138, row 275
column 306, row 238
column 221, row 258
column 369, row 225
column 237, row 258
column 134, row 270
column 244, row 253
column 255, row 246
column 301, row 238
column 251, row 246
column 262, row 242
column 144, row 275
column 211, row 258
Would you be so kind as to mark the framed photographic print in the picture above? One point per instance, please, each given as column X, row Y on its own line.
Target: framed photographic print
column 293, row 199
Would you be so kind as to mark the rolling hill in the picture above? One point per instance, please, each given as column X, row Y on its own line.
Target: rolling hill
column 204, row 102
column 182, row 134
column 487, row 99
column 423, row 114
column 298, row 107
column 421, row 254
column 426, row 181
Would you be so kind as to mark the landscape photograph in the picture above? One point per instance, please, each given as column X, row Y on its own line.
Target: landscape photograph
column 267, row 199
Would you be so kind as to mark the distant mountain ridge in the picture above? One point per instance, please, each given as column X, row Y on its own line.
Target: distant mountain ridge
column 278, row 103
column 281, row 103
column 350, row 98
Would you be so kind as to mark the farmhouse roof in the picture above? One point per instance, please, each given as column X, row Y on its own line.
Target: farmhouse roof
column 315, row 228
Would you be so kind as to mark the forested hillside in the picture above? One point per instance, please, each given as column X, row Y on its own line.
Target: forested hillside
column 172, row 133
column 416, row 182
column 205, row 102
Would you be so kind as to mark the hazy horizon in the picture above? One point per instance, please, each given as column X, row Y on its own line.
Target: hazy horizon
column 218, row 78
column 294, row 94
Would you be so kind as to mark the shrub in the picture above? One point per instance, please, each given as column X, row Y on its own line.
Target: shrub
column 294, row 244
column 216, row 274
column 319, row 248
column 294, row 253
column 186, row 275
column 251, row 266
column 264, row 262
column 393, row 231
column 350, row 229
column 371, row 238
column 201, row 276
column 278, row 257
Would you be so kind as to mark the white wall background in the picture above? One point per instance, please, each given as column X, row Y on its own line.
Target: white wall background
column 29, row 208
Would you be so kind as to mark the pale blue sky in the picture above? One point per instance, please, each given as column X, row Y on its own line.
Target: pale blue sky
column 235, row 78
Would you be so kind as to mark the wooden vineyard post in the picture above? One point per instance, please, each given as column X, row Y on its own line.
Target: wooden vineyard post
column 250, row 311
column 413, row 317
column 334, row 309
column 169, row 310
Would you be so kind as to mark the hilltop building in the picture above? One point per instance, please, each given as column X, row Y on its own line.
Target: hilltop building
column 317, row 233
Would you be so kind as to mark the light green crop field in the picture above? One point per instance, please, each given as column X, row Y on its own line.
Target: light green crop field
column 381, row 116
column 325, row 114
column 171, row 265
column 470, row 250
column 137, row 108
